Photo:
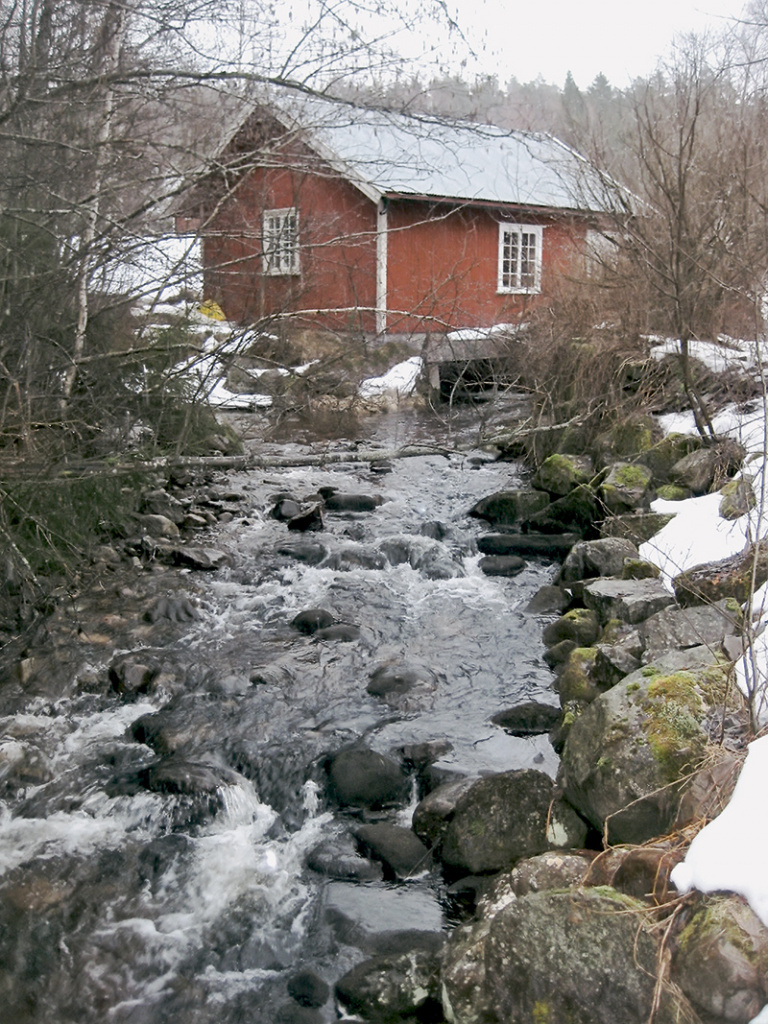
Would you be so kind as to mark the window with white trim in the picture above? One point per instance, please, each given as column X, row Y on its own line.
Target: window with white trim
column 519, row 258
column 280, row 241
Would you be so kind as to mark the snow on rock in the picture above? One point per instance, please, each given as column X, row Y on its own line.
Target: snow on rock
column 400, row 380
column 729, row 852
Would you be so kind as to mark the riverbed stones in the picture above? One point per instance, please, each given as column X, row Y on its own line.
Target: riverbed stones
column 391, row 987
column 208, row 559
column 340, row 859
column 552, row 545
column 548, row 598
column 433, row 813
column 311, row 620
column 308, row 520
column 132, row 675
column 501, row 565
column 336, row 501
column 362, row 777
column 401, row 852
column 308, row 989
column 504, row 817
column 626, row 756
column 528, row 719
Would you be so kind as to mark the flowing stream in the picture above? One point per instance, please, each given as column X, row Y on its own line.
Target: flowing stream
column 123, row 901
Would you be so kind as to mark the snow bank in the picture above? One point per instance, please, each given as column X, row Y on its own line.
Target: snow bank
column 400, row 380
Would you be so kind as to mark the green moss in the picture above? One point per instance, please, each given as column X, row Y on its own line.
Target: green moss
column 672, row 492
column 542, row 1013
column 633, row 687
column 649, row 671
column 631, row 476
column 639, row 569
column 673, row 709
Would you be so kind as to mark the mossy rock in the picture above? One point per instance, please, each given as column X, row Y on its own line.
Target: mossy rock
column 727, row 577
column 627, row 488
column 559, row 474
column 721, row 961
column 638, row 527
column 576, row 681
column 578, row 624
column 663, row 455
column 738, row 498
column 639, row 569
column 673, row 492
column 627, row 439
column 578, row 956
column 626, row 758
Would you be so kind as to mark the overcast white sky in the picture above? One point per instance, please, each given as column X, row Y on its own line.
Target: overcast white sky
column 551, row 37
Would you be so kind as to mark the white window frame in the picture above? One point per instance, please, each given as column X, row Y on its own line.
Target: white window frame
column 280, row 242
column 514, row 276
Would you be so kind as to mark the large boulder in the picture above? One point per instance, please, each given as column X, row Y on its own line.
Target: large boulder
column 585, row 956
column 402, row 853
column 389, row 988
column 679, row 628
column 708, row 468
column 505, row 508
column 627, row 755
column 577, row 512
column 721, row 960
column 559, row 474
column 627, row 488
column 362, row 777
column 630, row 601
column 729, row 577
column 662, row 456
column 579, row 625
column 507, row 816
column 738, row 498
column 591, row 558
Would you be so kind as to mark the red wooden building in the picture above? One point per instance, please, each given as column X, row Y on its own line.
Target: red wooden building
column 378, row 222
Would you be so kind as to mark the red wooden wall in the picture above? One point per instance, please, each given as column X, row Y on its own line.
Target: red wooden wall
column 441, row 269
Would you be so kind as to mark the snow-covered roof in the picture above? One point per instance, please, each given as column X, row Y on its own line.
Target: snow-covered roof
column 393, row 154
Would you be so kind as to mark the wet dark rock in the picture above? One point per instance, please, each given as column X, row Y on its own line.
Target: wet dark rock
column 420, row 755
column 385, row 989
column 312, row 619
column 434, row 812
column 355, row 556
column 341, row 632
column 308, row 520
column 548, row 599
column 501, row 565
column 434, row 530
column 363, row 777
column 579, row 624
column 505, row 817
column 543, row 545
column 307, row 552
column 201, row 558
column 157, row 526
column 180, row 775
column 340, row 859
column 399, row 849
column 577, row 513
column 285, row 509
column 529, row 719
column 393, row 679
column 338, row 502
column 505, row 508
column 308, row 989
column 559, row 653
column 592, row 558
column 293, row 1013
column 615, row 661
column 172, row 609
column 131, row 675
